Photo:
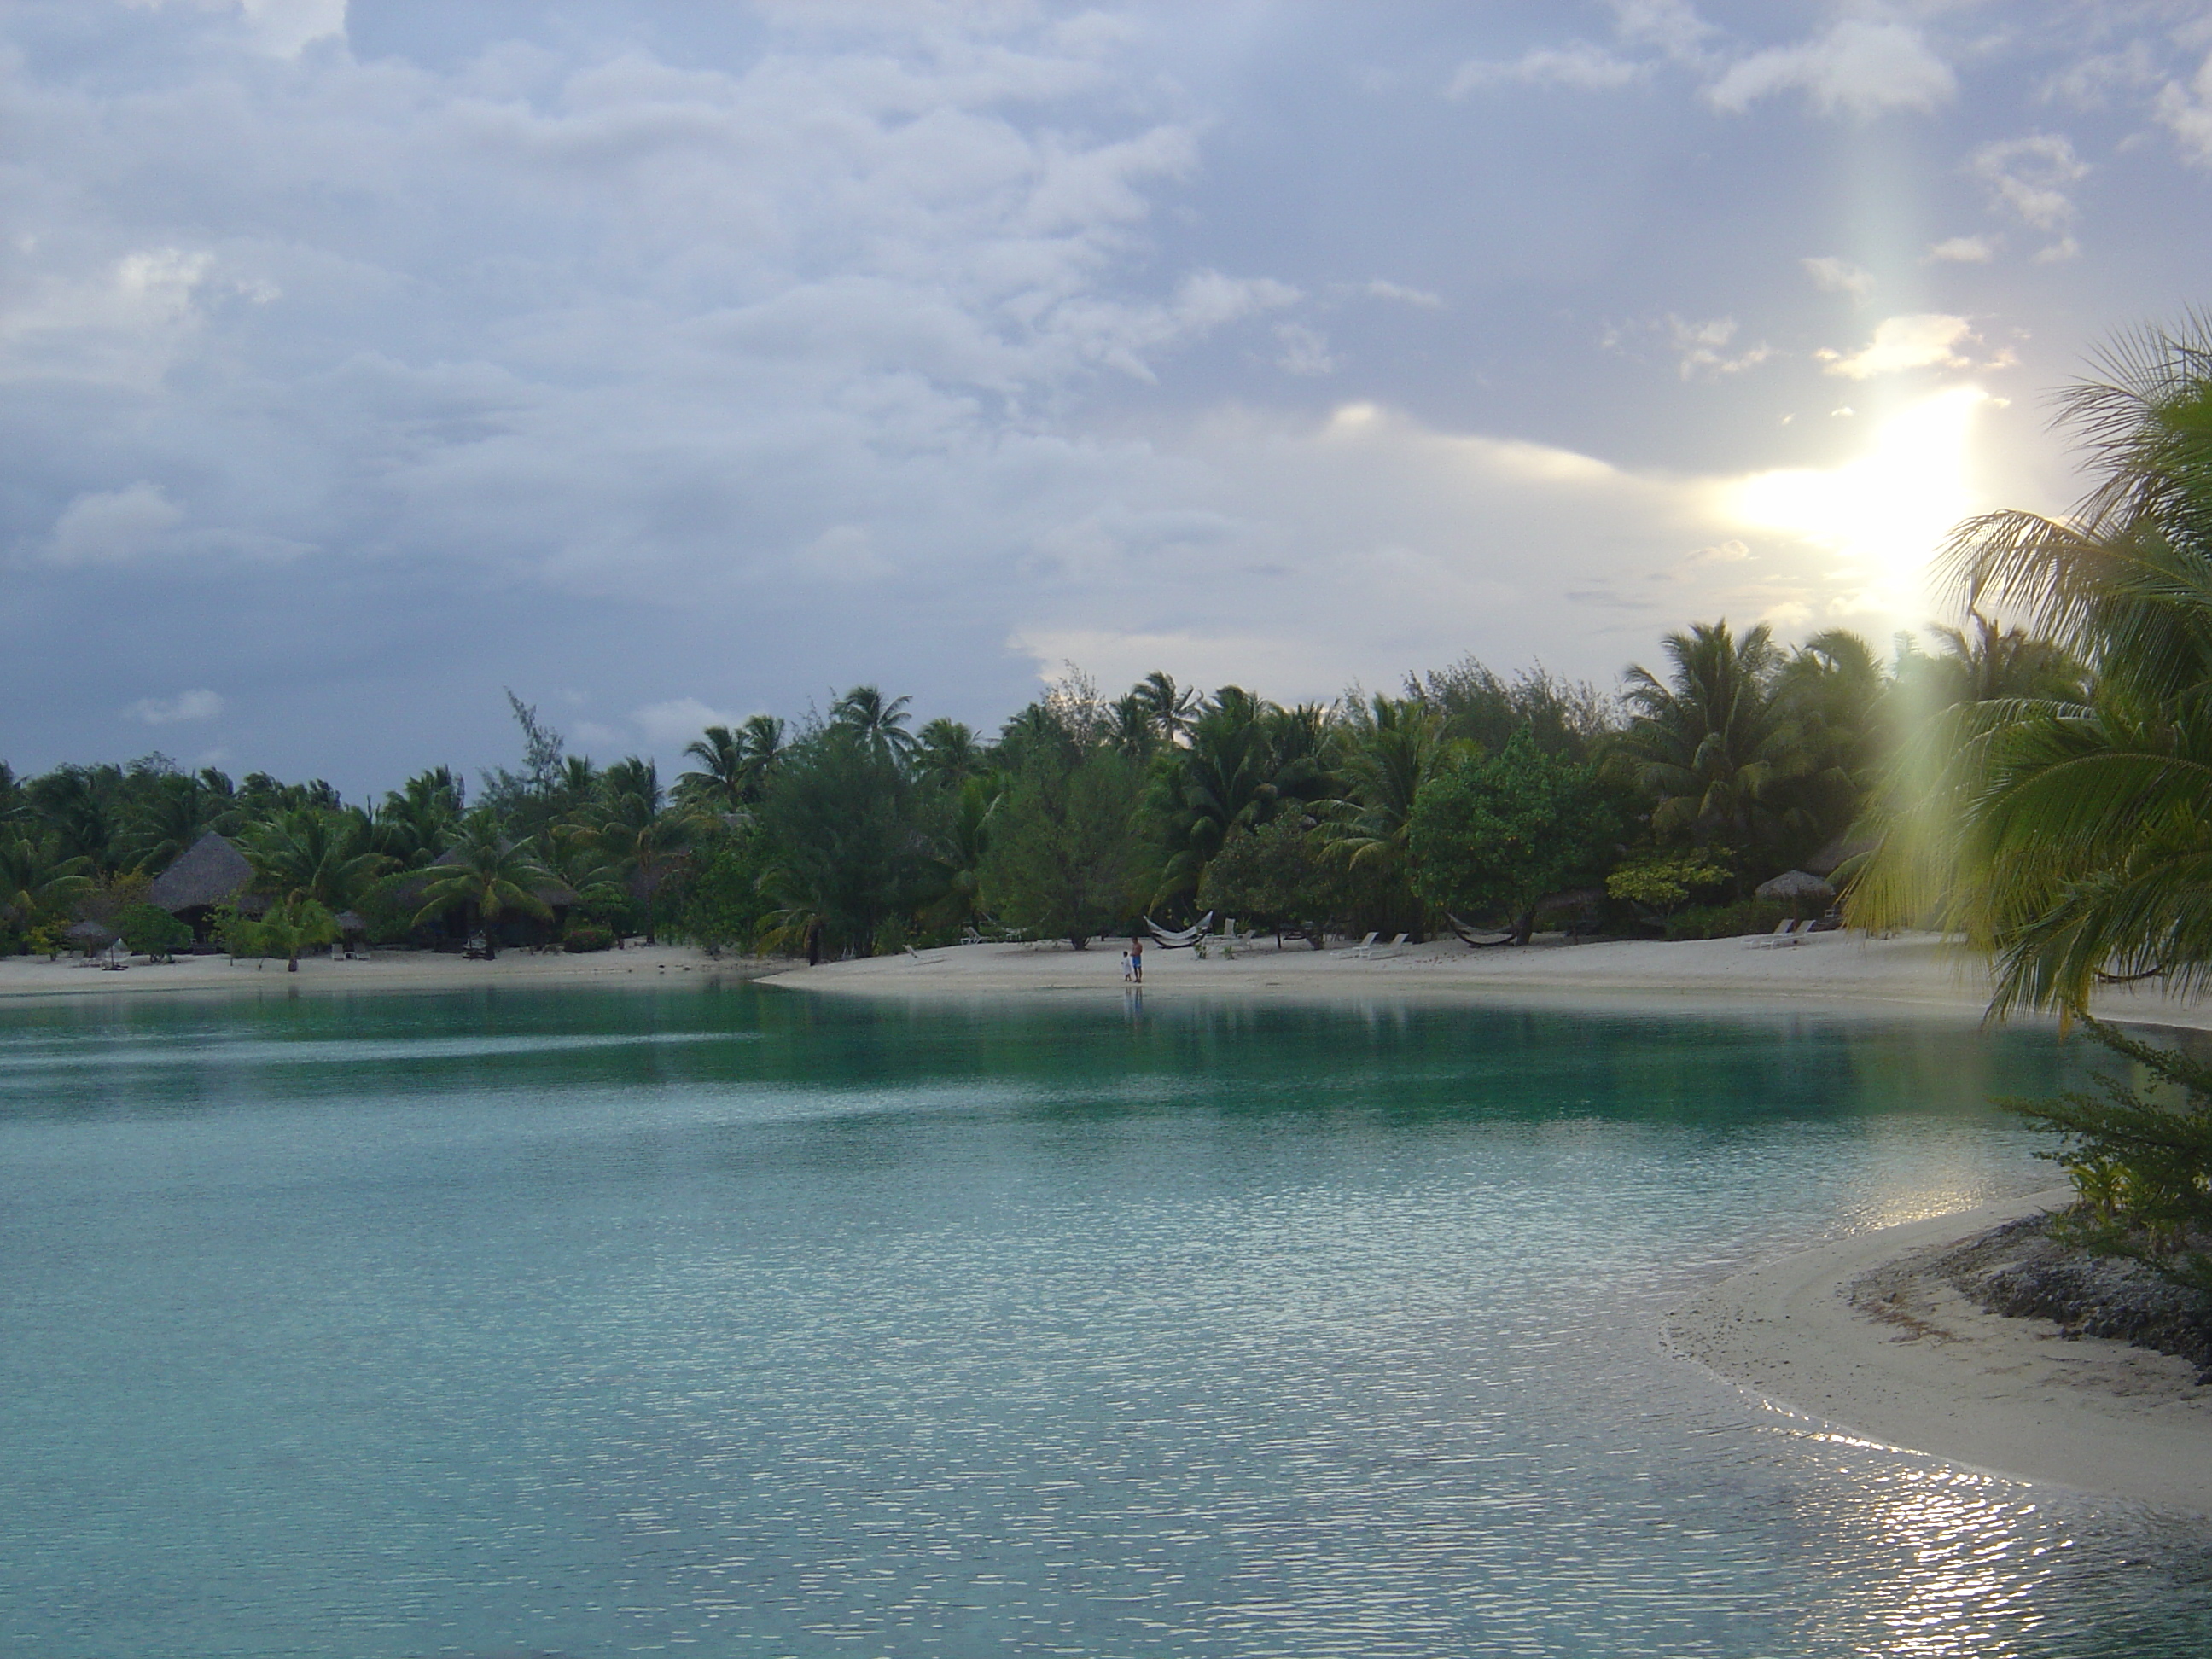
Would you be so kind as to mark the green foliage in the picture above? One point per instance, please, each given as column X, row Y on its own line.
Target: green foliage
column 1493, row 836
column 1665, row 881
column 1272, row 877
column 584, row 937
column 1745, row 917
column 723, row 904
column 842, row 815
column 490, row 874
column 1064, row 857
column 2139, row 1154
column 149, row 931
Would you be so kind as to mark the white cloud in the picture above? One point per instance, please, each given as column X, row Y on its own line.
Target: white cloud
column 1672, row 25
column 124, row 323
column 1861, row 65
column 281, row 29
column 2186, row 112
column 1304, row 351
column 1834, row 276
column 1964, row 251
column 186, row 706
column 1578, row 65
column 113, row 526
column 669, row 725
column 2028, row 176
column 1701, row 348
column 1929, row 340
column 1381, row 289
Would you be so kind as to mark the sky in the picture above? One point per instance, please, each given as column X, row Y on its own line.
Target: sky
column 671, row 360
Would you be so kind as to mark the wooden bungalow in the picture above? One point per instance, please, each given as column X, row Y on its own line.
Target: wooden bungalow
column 208, row 875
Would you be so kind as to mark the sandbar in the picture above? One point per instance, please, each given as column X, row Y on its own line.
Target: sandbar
column 1854, row 1335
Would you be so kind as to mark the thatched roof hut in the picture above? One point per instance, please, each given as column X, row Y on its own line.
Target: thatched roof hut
column 90, row 934
column 350, row 922
column 210, row 872
column 1793, row 885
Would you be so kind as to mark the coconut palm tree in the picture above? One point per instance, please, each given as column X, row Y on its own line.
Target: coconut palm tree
column 311, row 855
column 881, row 723
column 948, row 754
column 36, row 879
column 1705, row 743
column 2073, row 835
column 1392, row 747
column 1173, row 708
column 488, row 873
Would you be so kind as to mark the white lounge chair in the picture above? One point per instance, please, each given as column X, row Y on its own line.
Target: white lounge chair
column 1382, row 951
column 1363, row 947
column 1786, row 933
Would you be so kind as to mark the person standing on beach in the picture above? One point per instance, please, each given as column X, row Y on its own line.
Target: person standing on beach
column 1137, row 958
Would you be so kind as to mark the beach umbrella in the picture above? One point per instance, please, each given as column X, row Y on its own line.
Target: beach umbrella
column 90, row 934
column 1795, row 884
column 350, row 922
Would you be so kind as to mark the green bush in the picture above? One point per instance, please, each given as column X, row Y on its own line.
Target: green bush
column 578, row 940
column 1726, row 920
column 148, row 931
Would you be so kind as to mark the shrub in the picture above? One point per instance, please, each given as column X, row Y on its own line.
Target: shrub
column 578, row 940
column 1726, row 920
column 2140, row 1158
column 149, row 931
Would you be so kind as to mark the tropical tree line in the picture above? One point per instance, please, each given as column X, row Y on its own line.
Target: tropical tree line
column 1466, row 798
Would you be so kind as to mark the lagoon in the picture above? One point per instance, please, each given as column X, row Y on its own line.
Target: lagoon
column 737, row 1321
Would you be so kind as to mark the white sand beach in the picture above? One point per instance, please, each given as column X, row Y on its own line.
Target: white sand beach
column 379, row 970
column 1851, row 1336
column 1911, row 972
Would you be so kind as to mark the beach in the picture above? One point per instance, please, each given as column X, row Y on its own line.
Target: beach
column 1858, row 1337
column 35, row 977
column 1920, row 973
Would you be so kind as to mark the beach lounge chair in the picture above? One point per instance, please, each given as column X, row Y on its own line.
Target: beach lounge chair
column 1390, row 949
column 1786, row 933
column 1363, row 947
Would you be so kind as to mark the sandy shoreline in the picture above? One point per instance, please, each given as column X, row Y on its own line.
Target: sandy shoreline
column 1852, row 1335
column 29, row 979
column 1910, row 973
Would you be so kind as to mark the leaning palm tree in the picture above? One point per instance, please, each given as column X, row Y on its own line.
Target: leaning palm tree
column 2072, row 836
column 488, row 873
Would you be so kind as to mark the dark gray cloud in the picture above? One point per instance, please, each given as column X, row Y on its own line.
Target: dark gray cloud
column 664, row 363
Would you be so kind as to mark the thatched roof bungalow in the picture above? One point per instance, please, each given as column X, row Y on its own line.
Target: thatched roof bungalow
column 209, row 873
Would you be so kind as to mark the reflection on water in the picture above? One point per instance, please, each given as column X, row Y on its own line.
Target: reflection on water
column 563, row 1323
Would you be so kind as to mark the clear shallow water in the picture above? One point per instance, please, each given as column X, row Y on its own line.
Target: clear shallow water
column 738, row 1323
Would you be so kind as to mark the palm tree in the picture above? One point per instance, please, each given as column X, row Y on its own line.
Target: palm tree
column 169, row 815
column 718, row 781
column 296, row 925
column 1392, row 746
column 948, row 754
column 36, row 879
column 487, row 872
column 411, row 826
column 1705, row 743
column 1173, row 708
column 879, row 723
column 2072, row 836
column 311, row 855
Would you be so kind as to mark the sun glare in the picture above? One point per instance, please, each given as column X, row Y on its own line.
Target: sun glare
column 1882, row 514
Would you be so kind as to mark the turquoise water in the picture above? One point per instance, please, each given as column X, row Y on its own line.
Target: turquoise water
column 736, row 1322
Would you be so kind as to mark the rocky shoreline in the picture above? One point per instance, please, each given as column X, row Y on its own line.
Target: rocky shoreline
column 2018, row 1270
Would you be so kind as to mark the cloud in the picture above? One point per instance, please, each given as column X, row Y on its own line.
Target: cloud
column 281, row 28
column 670, row 724
column 113, row 526
column 1578, row 66
column 1672, row 25
column 1964, row 251
column 1701, row 348
column 1834, row 276
column 1861, row 66
column 2027, row 176
column 2186, row 112
column 1924, row 340
column 186, row 706
column 123, row 322
column 1304, row 350
column 1380, row 289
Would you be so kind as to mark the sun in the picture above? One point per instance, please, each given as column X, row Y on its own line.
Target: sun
column 1882, row 514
